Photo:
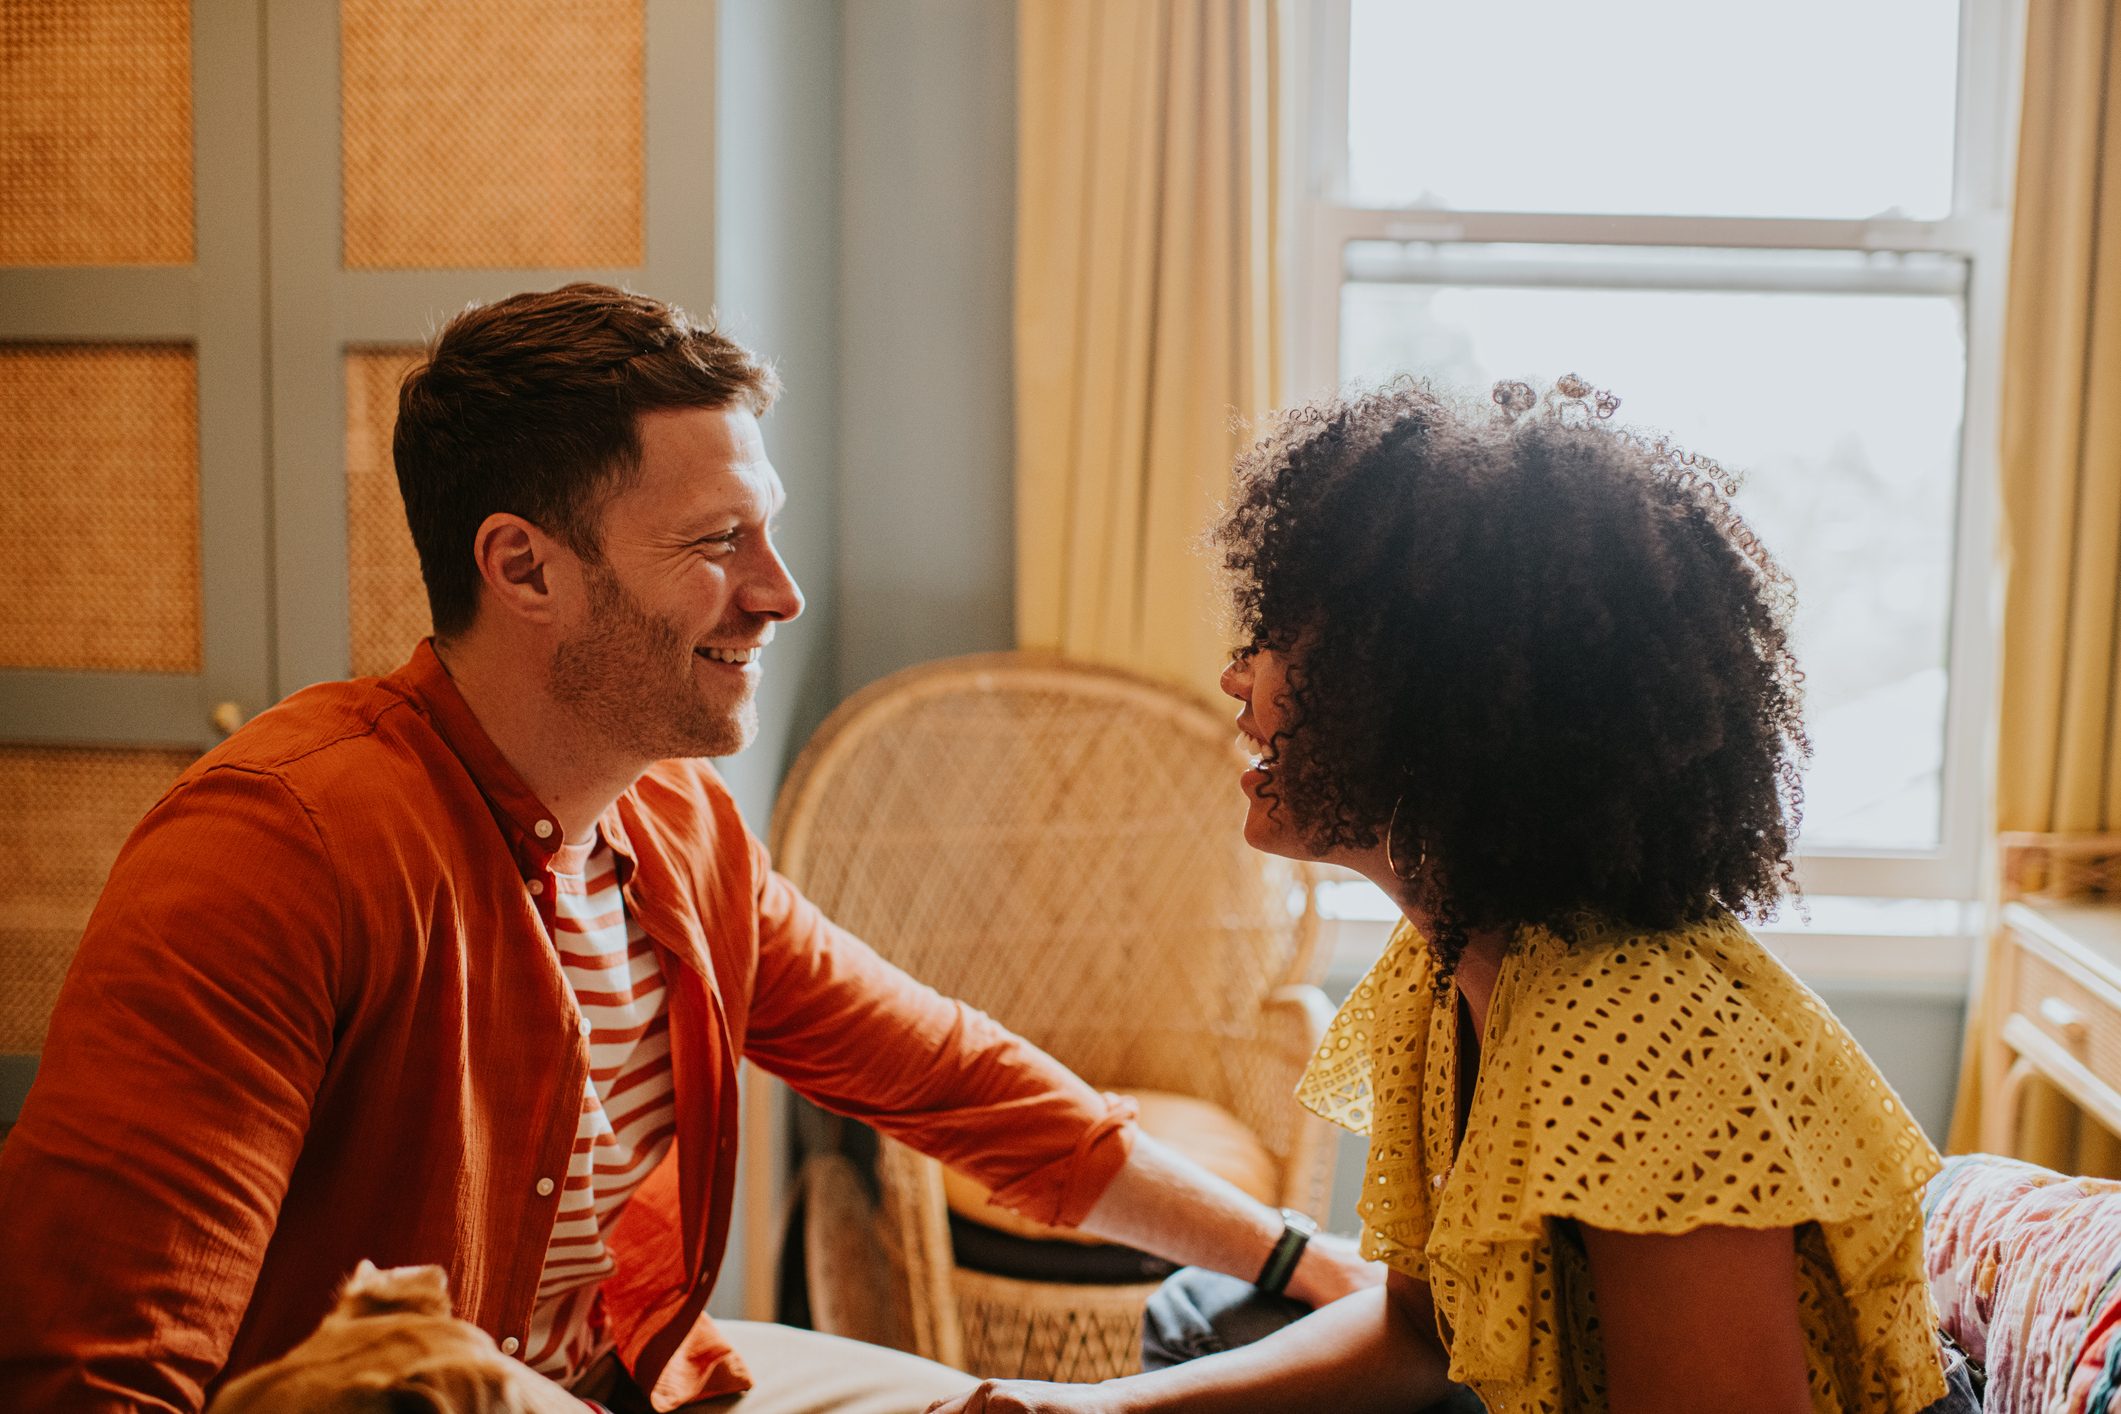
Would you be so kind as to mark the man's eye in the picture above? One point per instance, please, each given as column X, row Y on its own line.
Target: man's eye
column 718, row 544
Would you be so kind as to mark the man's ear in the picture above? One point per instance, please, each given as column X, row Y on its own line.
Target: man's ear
column 516, row 561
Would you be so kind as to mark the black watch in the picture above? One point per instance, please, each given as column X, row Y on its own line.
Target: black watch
column 1297, row 1229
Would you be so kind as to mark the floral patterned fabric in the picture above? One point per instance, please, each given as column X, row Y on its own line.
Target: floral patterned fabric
column 2026, row 1266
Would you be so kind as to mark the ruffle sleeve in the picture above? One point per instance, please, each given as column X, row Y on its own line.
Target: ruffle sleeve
column 1368, row 1076
column 1662, row 1084
column 1678, row 1082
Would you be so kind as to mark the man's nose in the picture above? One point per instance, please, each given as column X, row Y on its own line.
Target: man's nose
column 1237, row 679
column 774, row 594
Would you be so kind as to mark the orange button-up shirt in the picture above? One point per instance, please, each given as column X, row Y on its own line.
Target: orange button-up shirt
column 317, row 1017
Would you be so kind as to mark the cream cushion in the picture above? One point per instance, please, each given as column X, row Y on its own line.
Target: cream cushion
column 1203, row 1131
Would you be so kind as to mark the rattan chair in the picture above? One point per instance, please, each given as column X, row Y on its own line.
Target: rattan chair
column 1060, row 846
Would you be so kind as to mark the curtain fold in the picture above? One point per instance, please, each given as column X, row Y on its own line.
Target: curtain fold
column 1145, row 320
column 2060, row 670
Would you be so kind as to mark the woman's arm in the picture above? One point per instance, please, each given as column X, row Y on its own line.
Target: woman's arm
column 1704, row 1320
column 1375, row 1350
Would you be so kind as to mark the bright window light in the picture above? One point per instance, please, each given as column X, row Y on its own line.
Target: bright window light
column 1805, row 108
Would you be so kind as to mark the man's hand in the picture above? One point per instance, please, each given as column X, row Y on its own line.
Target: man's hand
column 1030, row 1397
column 1332, row 1267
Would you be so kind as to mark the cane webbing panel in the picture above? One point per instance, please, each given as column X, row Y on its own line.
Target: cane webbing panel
column 1018, row 1330
column 63, row 815
column 386, row 600
column 477, row 132
column 95, row 132
column 99, row 508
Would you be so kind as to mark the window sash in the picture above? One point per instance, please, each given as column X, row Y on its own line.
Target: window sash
column 1318, row 223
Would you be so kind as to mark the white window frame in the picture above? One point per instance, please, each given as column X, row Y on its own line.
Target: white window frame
column 1318, row 220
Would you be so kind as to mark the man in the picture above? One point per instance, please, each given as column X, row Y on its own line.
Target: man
column 456, row 966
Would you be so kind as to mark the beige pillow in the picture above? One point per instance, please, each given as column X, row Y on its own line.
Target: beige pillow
column 1203, row 1131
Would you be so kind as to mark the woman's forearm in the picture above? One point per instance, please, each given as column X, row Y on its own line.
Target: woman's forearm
column 1362, row 1353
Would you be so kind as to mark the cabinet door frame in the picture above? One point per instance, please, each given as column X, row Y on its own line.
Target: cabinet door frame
column 216, row 306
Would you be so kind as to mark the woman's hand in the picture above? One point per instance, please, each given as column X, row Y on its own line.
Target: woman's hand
column 1030, row 1397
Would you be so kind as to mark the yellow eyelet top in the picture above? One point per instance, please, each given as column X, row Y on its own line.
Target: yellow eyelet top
column 1644, row 1083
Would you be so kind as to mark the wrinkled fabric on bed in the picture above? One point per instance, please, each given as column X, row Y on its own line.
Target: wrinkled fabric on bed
column 2025, row 1266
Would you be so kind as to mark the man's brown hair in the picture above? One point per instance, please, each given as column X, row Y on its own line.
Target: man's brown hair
column 531, row 406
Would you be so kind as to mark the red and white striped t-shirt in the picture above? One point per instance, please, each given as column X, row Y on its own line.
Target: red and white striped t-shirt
column 629, row 1114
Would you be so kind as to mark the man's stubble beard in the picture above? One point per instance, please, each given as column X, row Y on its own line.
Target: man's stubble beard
column 628, row 677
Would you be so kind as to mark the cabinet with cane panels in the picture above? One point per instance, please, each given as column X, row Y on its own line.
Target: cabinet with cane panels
column 226, row 229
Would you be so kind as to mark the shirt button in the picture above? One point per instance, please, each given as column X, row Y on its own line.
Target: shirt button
column 586, row 1027
column 544, row 1188
column 537, row 886
column 511, row 1345
column 543, row 829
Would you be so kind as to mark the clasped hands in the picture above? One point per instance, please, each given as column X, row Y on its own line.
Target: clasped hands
column 1332, row 1268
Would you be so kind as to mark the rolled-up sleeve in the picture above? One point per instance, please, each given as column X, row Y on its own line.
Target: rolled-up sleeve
column 860, row 1037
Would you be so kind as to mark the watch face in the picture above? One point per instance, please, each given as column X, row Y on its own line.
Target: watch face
column 1302, row 1222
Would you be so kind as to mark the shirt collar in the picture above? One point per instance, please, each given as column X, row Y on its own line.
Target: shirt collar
column 519, row 812
column 531, row 827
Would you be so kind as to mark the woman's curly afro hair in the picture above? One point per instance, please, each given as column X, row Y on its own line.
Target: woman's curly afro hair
column 1543, row 651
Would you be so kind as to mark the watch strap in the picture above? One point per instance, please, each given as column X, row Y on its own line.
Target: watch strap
column 1297, row 1230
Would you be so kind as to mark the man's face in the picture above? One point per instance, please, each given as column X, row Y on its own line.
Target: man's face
column 662, row 660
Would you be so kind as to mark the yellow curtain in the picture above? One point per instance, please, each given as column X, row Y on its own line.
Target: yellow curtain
column 1145, row 324
column 2057, row 767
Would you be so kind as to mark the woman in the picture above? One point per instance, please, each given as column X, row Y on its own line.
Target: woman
column 1531, row 675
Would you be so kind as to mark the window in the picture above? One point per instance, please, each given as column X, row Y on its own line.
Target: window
column 1776, row 233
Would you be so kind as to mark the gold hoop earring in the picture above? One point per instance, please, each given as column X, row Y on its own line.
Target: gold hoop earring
column 1391, row 829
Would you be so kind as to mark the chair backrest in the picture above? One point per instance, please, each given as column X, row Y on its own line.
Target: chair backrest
column 1061, row 846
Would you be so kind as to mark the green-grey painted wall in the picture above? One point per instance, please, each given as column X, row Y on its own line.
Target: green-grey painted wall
column 927, row 205
column 866, row 170
column 776, row 244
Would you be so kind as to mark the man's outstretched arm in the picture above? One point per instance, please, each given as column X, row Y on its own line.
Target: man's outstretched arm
column 1163, row 1202
column 860, row 1037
